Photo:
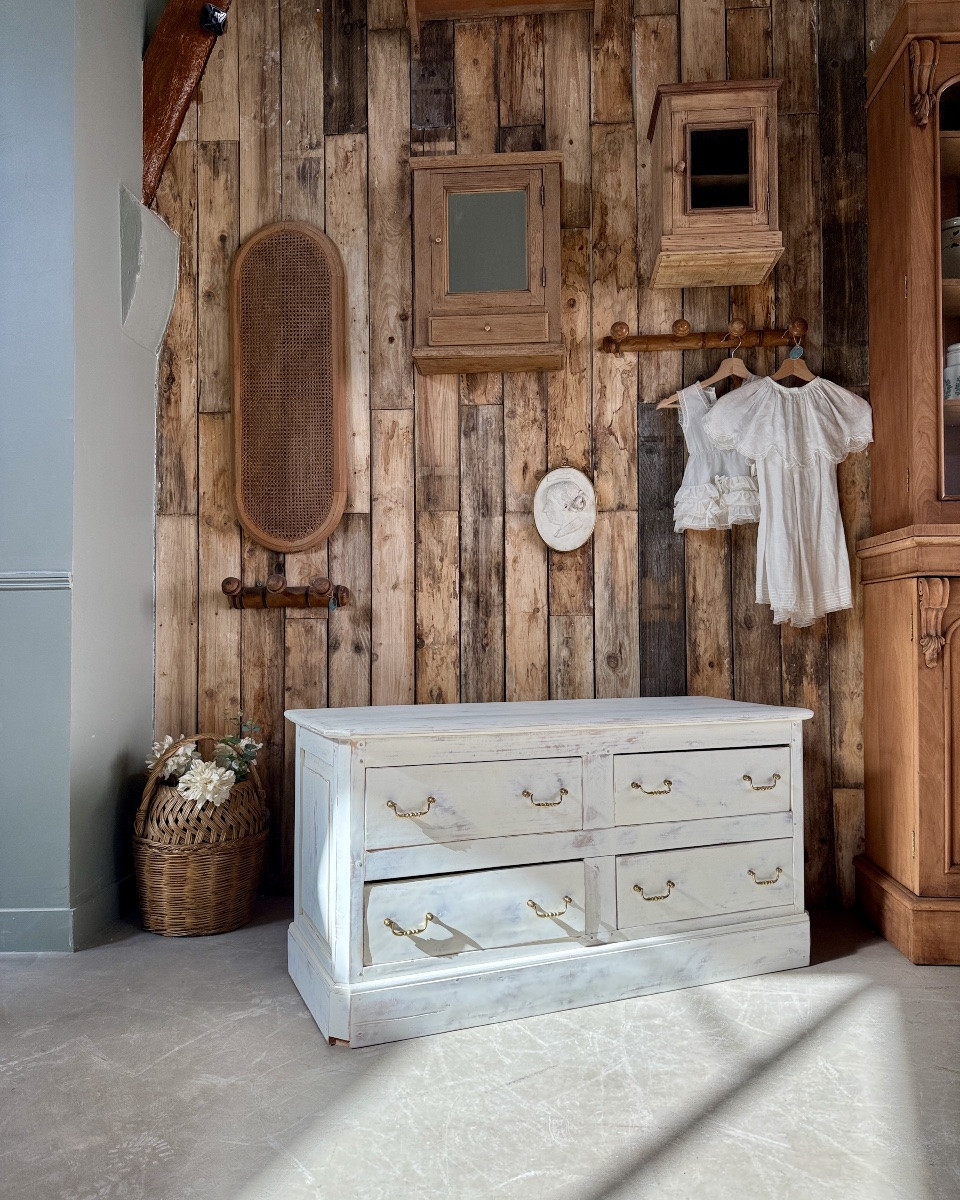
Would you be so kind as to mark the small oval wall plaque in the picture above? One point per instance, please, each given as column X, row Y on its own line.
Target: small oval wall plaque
column 565, row 508
column 288, row 331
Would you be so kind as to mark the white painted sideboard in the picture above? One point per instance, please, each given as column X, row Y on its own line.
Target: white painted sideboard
column 462, row 864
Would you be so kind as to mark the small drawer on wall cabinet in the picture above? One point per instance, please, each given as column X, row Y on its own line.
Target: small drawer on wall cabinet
column 450, row 802
column 684, row 885
column 480, row 330
column 451, row 914
column 692, row 784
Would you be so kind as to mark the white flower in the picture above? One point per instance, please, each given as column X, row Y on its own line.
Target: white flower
column 247, row 743
column 177, row 763
column 205, row 782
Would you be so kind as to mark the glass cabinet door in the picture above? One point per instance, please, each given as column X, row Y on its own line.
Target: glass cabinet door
column 949, row 117
column 487, row 241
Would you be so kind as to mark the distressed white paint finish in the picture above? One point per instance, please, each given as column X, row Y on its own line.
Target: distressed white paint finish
column 702, row 783
column 706, row 881
column 476, row 801
column 477, row 963
column 480, row 911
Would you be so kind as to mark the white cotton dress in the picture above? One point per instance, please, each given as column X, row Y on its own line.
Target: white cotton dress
column 718, row 489
column 796, row 437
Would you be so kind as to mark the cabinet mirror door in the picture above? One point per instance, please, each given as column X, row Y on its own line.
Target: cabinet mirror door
column 487, row 240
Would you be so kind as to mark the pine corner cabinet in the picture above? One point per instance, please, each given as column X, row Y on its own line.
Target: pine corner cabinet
column 460, row 864
column 715, row 213
column 486, row 235
column 908, row 880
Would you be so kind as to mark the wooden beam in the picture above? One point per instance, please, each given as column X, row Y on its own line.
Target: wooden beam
column 172, row 69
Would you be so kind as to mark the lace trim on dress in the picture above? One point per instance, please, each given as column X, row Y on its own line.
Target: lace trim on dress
column 728, row 500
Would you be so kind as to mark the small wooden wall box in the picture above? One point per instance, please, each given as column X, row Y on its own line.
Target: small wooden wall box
column 487, row 263
column 715, row 209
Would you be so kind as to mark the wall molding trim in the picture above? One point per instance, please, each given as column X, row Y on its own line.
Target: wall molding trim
column 35, row 581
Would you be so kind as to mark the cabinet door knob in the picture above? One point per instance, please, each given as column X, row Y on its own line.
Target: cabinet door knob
column 486, row 329
column 438, row 239
column 681, row 166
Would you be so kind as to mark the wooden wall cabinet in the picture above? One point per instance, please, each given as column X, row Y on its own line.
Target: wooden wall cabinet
column 487, row 263
column 908, row 882
column 715, row 209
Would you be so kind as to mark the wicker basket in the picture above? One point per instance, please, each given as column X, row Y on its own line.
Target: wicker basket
column 198, row 870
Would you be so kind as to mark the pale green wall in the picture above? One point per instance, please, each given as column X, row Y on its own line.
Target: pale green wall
column 76, row 470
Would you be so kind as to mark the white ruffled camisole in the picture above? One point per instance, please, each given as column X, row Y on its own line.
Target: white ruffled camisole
column 718, row 489
column 796, row 437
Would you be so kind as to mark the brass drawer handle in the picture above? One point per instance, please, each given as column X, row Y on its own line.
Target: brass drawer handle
column 765, row 882
column 542, row 912
column 666, row 895
column 660, row 791
column 398, row 931
column 528, row 795
column 422, row 813
column 763, row 787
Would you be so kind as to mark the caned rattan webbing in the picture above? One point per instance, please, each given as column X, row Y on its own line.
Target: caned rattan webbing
column 289, row 357
column 198, row 870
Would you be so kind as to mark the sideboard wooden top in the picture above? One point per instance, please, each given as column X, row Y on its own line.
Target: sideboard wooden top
column 403, row 719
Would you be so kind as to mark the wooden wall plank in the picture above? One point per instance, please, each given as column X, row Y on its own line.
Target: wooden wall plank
column 702, row 40
column 477, row 86
column 218, row 225
column 433, row 91
column 219, row 550
column 525, row 577
column 344, row 66
column 438, row 608
column 848, row 821
column 877, row 17
column 391, row 272
column 393, row 549
column 481, row 551
column 304, row 686
column 218, row 110
column 749, row 43
column 616, row 604
column 175, row 699
column 614, row 297
column 566, row 73
column 611, row 72
column 259, row 93
column 346, row 166
column 386, row 14
column 437, row 443
column 348, row 632
column 177, row 369
column 660, row 440
column 525, row 435
column 846, row 632
column 521, row 70
column 301, row 69
column 795, row 58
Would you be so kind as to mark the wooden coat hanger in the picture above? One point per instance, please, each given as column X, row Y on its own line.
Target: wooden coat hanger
column 794, row 365
column 729, row 366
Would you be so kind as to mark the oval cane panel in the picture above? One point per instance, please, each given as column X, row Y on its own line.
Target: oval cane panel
column 289, row 372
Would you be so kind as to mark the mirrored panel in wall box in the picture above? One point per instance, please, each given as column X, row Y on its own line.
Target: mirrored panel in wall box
column 487, row 249
column 487, row 263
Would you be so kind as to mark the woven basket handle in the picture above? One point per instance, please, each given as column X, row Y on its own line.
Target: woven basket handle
column 157, row 769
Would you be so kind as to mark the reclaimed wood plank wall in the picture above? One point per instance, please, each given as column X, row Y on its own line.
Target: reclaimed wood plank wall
column 311, row 111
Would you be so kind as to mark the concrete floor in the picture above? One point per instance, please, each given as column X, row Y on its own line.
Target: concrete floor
column 163, row 1069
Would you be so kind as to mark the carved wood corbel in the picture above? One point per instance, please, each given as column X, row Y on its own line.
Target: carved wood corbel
column 924, row 56
column 934, row 595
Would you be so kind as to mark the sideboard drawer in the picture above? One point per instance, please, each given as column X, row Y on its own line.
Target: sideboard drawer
column 517, row 906
column 447, row 802
column 679, row 885
column 700, row 783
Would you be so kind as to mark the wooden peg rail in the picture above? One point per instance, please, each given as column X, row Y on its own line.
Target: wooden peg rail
column 737, row 337
column 318, row 593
